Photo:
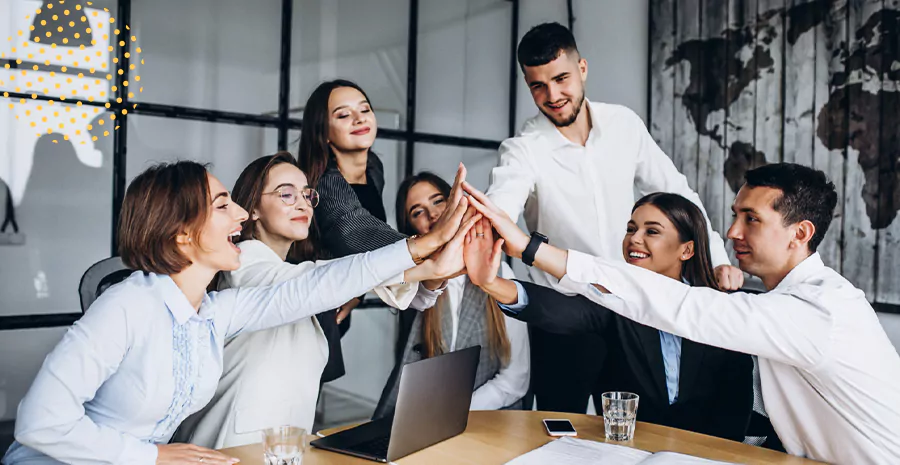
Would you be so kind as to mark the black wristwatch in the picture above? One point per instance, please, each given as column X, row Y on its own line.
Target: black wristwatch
column 536, row 240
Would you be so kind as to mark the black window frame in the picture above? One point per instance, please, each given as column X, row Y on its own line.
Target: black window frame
column 282, row 122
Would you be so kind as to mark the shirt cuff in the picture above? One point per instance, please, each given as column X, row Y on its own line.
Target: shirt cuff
column 394, row 280
column 388, row 261
column 427, row 298
column 521, row 302
column 579, row 269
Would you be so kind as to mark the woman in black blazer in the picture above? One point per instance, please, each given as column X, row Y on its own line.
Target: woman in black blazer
column 681, row 383
column 339, row 128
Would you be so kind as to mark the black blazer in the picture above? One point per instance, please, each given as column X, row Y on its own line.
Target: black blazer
column 715, row 392
column 345, row 226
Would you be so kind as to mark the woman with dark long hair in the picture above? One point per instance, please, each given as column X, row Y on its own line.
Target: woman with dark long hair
column 339, row 128
column 681, row 383
column 149, row 351
column 272, row 377
column 463, row 316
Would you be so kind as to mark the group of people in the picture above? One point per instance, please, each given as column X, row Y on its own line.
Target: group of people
column 233, row 317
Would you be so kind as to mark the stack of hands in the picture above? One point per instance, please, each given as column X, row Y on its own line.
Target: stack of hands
column 470, row 236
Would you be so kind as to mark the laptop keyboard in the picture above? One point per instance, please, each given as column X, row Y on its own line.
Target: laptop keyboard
column 377, row 447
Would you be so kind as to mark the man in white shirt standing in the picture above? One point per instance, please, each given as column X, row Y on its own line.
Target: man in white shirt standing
column 573, row 170
column 830, row 376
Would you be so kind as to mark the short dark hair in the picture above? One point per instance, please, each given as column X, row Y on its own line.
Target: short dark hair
column 164, row 201
column 545, row 43
column 806, row 194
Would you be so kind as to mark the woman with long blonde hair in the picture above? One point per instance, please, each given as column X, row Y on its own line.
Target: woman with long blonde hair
column 464, row 315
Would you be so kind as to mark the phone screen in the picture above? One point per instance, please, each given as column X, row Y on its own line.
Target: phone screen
column 559, row 426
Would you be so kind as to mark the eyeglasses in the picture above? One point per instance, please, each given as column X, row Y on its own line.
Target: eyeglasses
column 290, row 194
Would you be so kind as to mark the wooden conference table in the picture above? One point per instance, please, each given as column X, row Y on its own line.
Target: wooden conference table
column 496, row 437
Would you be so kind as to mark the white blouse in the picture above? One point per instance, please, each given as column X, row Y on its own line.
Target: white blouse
column 271, row 377
column 142, row 359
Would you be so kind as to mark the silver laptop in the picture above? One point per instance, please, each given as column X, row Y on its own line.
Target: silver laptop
column 432, row 405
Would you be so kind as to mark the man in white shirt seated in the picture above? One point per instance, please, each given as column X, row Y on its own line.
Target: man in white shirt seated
column 830, row 376
column 572, row 171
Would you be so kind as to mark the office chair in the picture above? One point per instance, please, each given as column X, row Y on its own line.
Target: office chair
column 99, row 277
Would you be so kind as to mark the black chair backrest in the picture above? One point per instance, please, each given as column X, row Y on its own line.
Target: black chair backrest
column 99, row 277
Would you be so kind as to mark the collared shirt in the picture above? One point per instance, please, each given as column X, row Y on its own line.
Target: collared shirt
column 670, row 345
column 511, row 382
column 142, row 359
column 830, row 377
column 581, row 197
column 284, row 362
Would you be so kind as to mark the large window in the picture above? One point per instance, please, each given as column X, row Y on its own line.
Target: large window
column 219, row 81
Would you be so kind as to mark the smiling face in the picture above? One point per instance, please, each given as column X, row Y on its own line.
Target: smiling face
column 276, row 220
column 424, row 205
column 351, row 123
column 558, row 87
column 215, row 249
column 652, row 242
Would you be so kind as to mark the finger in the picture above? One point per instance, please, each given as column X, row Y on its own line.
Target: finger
column 726, row 281
column 456, row 192
column 488, row 213
column 487, row 229
column 470, row 211
column 479, row 230
column 497, row 252
column 467, row 226
column 214, row 457
column 343, row 314
column 481, row 196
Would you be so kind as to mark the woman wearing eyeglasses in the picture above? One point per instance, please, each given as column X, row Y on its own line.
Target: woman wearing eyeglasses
column 272, row 377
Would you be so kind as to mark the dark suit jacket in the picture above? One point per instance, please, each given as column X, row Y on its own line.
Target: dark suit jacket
column 345, row 226
column 715, row 391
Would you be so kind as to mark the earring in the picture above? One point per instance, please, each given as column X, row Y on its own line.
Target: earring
column 190, row 239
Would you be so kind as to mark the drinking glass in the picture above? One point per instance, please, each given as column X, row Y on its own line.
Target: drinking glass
column 284, row 445
column 619, row 414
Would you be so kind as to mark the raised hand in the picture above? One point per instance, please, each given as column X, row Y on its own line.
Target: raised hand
column 184, row 454
column 516, row 240
column 448, row 262
column 447, row 225
column 482, row 254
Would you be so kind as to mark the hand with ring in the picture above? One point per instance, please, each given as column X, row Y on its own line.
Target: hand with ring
column 185, row 454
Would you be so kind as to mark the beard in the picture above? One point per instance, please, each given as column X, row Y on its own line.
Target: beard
column 565, row 121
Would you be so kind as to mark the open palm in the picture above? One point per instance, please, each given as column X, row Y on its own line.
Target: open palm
column 482, row 254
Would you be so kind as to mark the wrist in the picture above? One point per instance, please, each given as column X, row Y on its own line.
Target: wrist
column 427, row 244
column 503, row 291
column 433, row 284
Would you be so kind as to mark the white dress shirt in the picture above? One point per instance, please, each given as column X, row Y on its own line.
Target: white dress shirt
column 830, row 376
column 142, row 359
column 271, row 377
column 511, row 382
column 581, row 197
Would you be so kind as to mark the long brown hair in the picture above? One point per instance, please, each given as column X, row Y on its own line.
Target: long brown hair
column 432, row 337
column 248, row 192
column 691, row 226
column 314, row 151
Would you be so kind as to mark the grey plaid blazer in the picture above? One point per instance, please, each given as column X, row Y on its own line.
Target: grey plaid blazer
column 472, row 331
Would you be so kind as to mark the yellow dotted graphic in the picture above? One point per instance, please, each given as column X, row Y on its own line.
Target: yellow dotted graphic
column 63, row 30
